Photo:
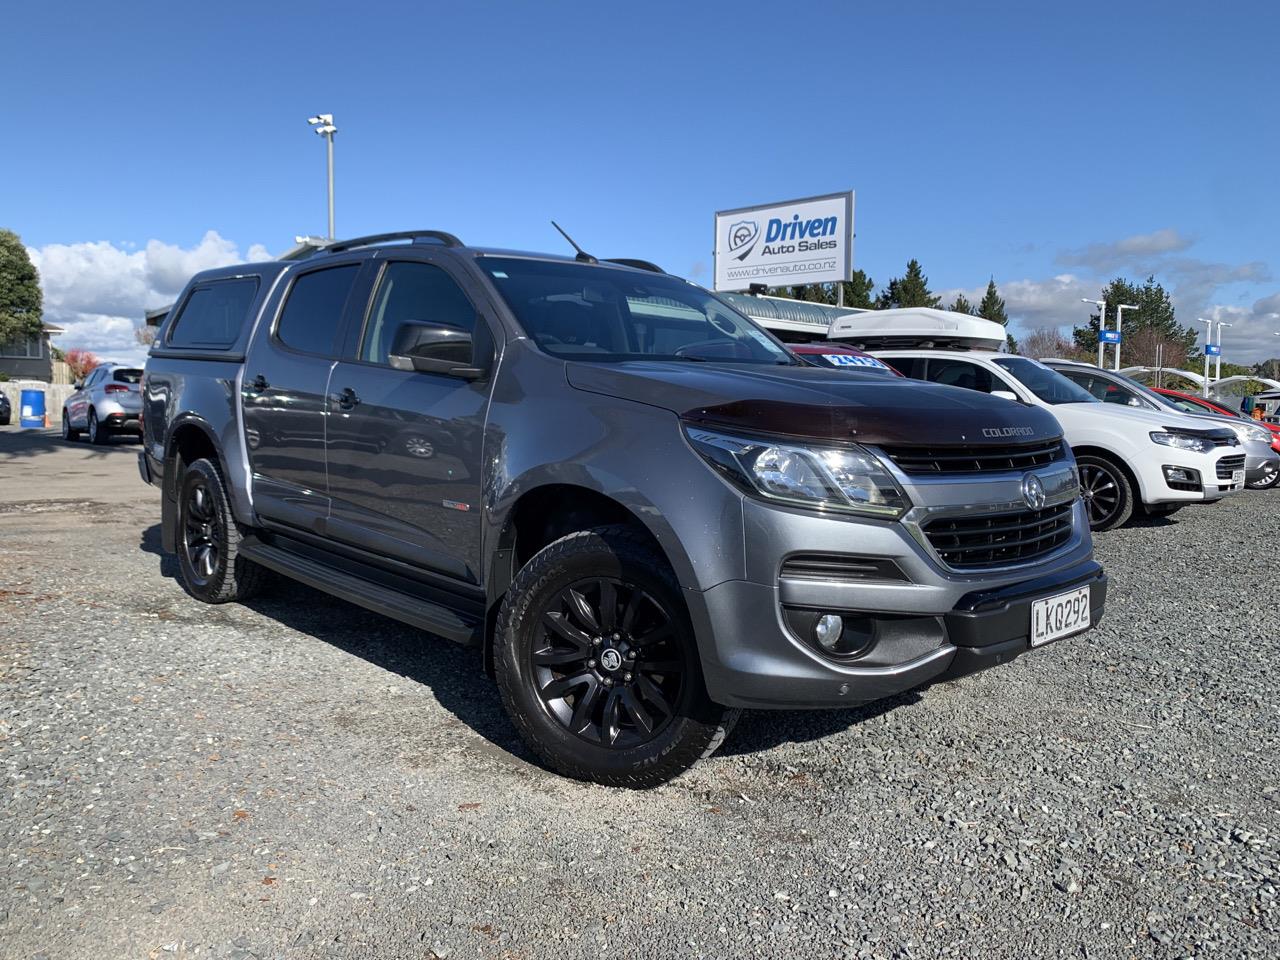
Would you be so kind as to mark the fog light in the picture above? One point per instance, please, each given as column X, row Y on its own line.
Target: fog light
column 828, row 630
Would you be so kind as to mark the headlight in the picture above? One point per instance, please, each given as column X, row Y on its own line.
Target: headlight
column 1183, row 441
column 1247, row 432
column 844, row 479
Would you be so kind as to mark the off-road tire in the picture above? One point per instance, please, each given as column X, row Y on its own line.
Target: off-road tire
column 1091, row 467
column 232, row 577
column 696, row 726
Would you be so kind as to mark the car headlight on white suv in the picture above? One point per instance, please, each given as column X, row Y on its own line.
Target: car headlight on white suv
column 1183, row 441
column 844, row 479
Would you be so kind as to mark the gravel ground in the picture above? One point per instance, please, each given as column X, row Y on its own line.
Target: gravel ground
column 300, row 778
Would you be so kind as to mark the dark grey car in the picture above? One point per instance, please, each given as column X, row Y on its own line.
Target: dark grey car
column 643, row 508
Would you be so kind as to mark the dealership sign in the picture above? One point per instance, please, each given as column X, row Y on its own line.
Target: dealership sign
column 1212, row 350
column 1109, row 336
column 800, row 241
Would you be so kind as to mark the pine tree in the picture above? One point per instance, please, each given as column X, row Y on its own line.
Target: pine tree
column 857, row 292
column 911, row 290
column 992, row 305
column 20, row 298
column 961, row 304
column 1153, row 322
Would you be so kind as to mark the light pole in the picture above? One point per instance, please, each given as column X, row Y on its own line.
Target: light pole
column 1208, row 338
column 1119, row 322
column 1102, row 322
column 1217, row 361
column 323, row 124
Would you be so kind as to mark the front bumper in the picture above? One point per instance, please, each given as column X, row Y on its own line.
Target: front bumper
column 755, row 661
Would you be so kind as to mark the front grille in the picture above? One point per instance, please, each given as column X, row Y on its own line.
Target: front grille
column 1227, row 464
column 839, row 567
column 999, row 539
column 976, row 459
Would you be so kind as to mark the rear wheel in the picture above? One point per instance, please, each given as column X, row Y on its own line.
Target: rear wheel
column 209, row 540
column 1108, row 495
column 597, row 663
column 69, row 433
column 97, row 432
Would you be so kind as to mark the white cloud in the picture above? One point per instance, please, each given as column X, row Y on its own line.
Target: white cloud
column 98, row 291
column 1139, row 248
column 1032, row 304
column 1252, row 336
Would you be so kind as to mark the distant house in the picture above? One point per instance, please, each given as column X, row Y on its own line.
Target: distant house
column 31, row 359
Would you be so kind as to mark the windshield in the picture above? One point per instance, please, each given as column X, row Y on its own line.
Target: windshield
column 1190, row 406
column 1049, row 385
column 586, row 312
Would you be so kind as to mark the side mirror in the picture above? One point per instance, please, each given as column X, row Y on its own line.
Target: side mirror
column 434, row 348
column 1005, row 395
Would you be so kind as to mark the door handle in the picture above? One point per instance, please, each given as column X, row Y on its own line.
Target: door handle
column 259, row 383
column 347, row 399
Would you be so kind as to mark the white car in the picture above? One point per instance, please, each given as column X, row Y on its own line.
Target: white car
column 1128, row 458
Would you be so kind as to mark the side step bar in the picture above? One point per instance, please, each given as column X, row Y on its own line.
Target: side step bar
column 414, row 611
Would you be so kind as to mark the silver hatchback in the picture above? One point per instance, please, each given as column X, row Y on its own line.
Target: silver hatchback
column 109, row 401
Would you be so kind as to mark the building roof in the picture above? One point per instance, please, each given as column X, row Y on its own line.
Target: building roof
column 782, row 313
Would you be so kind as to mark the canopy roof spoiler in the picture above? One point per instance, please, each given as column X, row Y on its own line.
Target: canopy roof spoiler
column 917, row 327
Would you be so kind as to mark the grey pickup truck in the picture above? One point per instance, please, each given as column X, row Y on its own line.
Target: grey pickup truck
column 642, row 508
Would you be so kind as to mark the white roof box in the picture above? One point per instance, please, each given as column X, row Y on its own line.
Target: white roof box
column 917, row 327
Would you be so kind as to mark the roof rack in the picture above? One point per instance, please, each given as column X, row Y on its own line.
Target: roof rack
column 638, row 264
column 417, row 236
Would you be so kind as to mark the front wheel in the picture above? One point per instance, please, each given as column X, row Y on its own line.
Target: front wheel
column 597, row 664
column 209, row 561
column 1269, row 478
column 1108, row 496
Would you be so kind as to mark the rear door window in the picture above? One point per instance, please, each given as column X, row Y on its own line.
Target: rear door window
column 214, row 314
column 912, row 367
column 962, row 373
column 313, row 312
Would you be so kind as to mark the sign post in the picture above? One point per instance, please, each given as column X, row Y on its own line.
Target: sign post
column 798, row 241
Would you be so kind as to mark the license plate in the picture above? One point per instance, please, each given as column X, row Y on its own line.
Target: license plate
column 1056, row 617
column 1237, row 476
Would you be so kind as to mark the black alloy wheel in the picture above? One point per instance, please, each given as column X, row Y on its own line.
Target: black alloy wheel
column 202, row 533
column 1108, row 497
column 598, row 665
column 608, row 666
column 209, row 561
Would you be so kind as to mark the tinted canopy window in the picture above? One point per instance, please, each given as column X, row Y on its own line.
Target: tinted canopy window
column 593, row 312
column 314, row 309
column 413, row 293
column 214, row 314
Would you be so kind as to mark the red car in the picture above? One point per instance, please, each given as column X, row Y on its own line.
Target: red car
column 837, row 355
column 1193, row 404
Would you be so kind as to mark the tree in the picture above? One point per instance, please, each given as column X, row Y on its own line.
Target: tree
column 857, row 292
column 992, row 308
column 1050, row 342
column 21, row 302
column 911, row 290
column 81, row 362
column 1151, row 326
column 144, row 334
column 961, row 304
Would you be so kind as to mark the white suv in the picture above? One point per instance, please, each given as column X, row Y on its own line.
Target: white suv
column 1126, row 456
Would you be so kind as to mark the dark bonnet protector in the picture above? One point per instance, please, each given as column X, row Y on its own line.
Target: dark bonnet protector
column 816, row 404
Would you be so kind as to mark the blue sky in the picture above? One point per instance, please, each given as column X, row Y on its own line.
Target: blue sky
column 1048, row 146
